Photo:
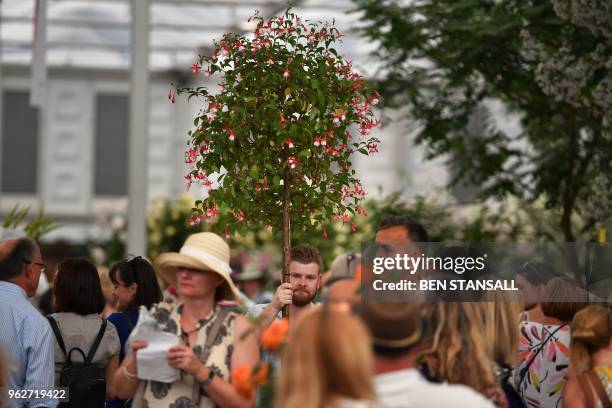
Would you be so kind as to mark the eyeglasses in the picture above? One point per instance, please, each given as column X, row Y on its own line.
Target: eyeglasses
column 42, row 265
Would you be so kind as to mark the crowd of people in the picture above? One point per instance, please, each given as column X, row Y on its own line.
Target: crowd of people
column 342, row 351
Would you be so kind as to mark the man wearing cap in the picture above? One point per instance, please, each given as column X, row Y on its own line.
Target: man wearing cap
column 251, row 282
column 299, row 292
column 397, row 336
column 214, row 339
column 342, row 286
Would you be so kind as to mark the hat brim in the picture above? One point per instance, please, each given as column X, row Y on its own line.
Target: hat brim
column 167, row 263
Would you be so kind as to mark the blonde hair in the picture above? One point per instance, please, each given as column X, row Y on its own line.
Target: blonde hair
column 459, row 348
column 329, row 356
column 106, row 284
column 591, row 328
column 501, row 324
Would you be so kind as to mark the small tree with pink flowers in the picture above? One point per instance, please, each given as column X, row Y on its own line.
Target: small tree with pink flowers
column 277, row 140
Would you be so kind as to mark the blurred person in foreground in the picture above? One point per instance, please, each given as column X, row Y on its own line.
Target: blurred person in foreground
column 299, row 293
column 544, row 345
column 501, row 322
column 134, row 284
column 327, row 363
column 23, row 330
column 201, row 272
column 591, row 360
column 399, row 339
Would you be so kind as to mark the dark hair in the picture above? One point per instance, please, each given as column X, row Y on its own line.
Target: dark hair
column 139, row 271
column 12, row 265
column 416, row 231
column 77, row 288
column 563, row 298
column 306, row 254
column 537, row 273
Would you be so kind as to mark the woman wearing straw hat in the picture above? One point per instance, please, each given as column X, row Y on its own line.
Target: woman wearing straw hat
column 213, row 339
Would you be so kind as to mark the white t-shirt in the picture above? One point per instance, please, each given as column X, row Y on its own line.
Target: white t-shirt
column 408, row 388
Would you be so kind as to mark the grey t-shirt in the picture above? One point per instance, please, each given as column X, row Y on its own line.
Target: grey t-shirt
column 81, row 331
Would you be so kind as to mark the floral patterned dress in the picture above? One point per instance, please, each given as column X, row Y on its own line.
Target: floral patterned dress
column 179, row 394
column 543, row 383
column 605, row 376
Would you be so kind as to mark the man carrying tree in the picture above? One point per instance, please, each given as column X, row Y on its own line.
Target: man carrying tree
column 299, row 292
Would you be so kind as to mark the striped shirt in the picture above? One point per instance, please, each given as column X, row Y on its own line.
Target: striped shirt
column 26, row 337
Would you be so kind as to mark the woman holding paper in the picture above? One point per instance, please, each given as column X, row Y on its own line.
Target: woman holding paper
column 213, row 340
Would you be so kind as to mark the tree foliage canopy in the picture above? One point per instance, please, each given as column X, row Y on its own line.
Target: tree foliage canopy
column 448, row 59
column 290, row 114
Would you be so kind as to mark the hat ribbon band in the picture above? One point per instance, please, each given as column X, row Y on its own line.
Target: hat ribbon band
column 198, row 253
column 405, row 342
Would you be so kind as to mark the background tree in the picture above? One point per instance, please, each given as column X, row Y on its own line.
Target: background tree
column 445, row 59
column 277, row 138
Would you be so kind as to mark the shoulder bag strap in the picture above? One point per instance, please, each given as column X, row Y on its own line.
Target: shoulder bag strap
column 586, row 389
column 599, row 389
column 96, row 343
column 58, row 335
column 212, row 335
column 525, row 369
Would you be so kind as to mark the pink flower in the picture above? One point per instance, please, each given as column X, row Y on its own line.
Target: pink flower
column 171, row 96
column 283, row 120
column 213, row 108
column 340, row 37
column 207, row 183
column 195, row 220
column 374, row 100
column 212, row 212
column 232, row 135
column 311, row 37
column 354, row 227
column 286, row 73
column 289, row 143
column 195, row 68
column 373, row 148
column 191, row 156
column 239, row 216
column 339, row 117
column 362, row 211
column 346, row 218
column 293, row 163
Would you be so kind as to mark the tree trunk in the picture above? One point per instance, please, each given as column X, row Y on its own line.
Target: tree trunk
column 286, row 237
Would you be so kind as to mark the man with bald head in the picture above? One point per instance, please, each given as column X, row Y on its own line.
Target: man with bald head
column 24, row 332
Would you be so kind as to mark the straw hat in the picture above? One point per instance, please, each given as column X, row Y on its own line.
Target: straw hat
column 204, row 251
